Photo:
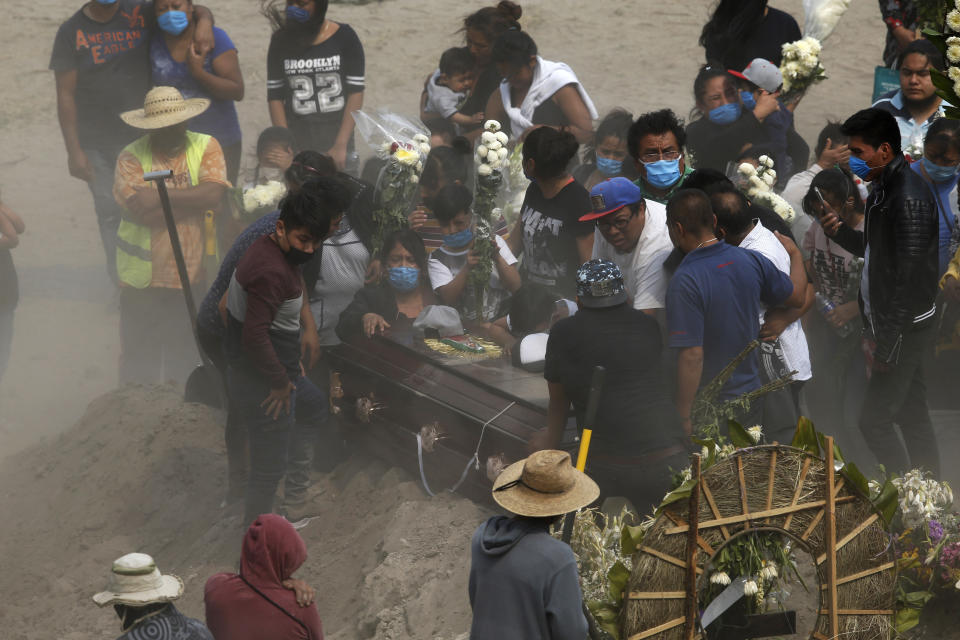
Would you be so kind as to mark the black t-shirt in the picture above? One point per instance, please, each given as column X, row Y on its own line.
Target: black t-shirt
column 9, row 288
column 550, row 231
column 314, row 83
column 714, row 145
column 487, row 82
column 112, row 61
column 634, row 417
column 776, row 29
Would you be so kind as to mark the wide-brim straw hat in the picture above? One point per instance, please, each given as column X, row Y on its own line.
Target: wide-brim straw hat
column 136, row 581
column 164, row 107
column 545, row 484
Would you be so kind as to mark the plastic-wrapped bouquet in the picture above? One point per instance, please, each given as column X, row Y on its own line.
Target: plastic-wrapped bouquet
column 491, row 160
column 403, row 145
column 801, row 68
column 758, row 186
column 251, row 203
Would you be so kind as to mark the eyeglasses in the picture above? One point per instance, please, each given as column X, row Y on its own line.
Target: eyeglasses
column 649, row 158
column 619, row 224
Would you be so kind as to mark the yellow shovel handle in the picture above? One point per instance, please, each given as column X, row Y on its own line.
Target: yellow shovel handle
column 584, row 447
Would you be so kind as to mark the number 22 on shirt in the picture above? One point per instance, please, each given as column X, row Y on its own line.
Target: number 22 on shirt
column 321, row 92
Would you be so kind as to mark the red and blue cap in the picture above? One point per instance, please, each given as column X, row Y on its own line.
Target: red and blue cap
column 612, row 195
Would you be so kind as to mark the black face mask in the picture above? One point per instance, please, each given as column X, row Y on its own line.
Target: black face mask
column 297, row 257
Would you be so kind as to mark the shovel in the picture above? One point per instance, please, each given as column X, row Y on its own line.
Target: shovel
column 204, row 384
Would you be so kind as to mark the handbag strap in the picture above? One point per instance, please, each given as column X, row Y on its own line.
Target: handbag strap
column 285, row 612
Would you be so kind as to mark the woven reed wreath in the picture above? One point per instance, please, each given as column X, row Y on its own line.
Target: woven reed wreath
column 767, row 488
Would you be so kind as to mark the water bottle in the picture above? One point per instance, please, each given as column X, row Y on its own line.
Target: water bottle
column 825, row 306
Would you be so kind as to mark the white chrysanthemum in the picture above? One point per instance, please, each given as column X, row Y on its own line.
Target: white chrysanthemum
column 493, row 161
column 756, row 433
column 249, row 202
column 769, row 179
column 721, row 578
column 503, row 152
column 750, row 588
column 484, row 170
column 414, row 179
column 769, row 571
column 491, row 125
column 791, row 70
column 502, row 138
column 953, row 54
column 418, row 138
column 495, row 145
column 747, row 169
column 487, row 138
column 956, row 87
column 757, row 183
column 952, row 40
column 481, row 151
column 704, row 452
column 424, row 148
column 767, row 161
column 953, row 20
column 957, row 586
column 954, row 73
column 771, row 172
column 419, row 167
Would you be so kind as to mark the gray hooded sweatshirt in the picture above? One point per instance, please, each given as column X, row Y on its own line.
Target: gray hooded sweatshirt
column 523, row 583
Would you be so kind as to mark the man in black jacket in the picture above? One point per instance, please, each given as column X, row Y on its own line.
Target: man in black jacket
column 897, row 290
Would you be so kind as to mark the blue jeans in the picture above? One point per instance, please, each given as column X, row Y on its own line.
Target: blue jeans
column 278, row 448
column 104, row 165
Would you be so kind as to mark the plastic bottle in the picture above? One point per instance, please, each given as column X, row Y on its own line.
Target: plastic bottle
column 825, row 306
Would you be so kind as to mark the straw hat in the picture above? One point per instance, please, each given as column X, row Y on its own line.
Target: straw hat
column 545, row 484
column 164, row 107
column 135, row 580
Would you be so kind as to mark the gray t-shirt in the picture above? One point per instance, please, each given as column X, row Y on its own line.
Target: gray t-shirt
column 442, row 100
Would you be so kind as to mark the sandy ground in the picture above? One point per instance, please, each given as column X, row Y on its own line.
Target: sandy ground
column 639, row 54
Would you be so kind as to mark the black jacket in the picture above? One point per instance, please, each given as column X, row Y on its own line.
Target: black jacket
column 901, row 229
column 714, row 145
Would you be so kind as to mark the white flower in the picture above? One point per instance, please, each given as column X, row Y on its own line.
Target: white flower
column 757, row 183
column 488, row 138
column 756, row 433
column 494, row 146
column 424, row 148
column 769, row 179
column 956, row 87
column 765, row 161
column 704, row 452
column 750, row 588
column 721, row 578
column 503, row 153
column 494, row 162
column 771, row 172
column 747, row 169
column 481, row 151
column 491, row 125
column 502, row 138
column 419, row 167
column 414, row 179
column 953, row 20
column 420, row 138
column 953, row 53
column 952, row 40
column 769, row 571
column 484, row 170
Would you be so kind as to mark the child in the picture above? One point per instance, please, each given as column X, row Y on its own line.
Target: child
column 450, row 265
column 532, row 310
column 11, row 227
column 449, row 87
column 274, row 155
column 760, row 93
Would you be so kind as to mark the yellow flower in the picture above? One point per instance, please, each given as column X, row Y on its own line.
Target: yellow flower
column 953, row 20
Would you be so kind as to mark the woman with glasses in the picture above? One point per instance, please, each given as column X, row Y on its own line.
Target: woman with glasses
column 722, row 129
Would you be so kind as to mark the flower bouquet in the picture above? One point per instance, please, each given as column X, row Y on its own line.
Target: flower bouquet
column 491, row 159
column 758, row 186
column 801, row 68
column 821, row 17
column 256, row 201
column 948, row 42
column 403, row 146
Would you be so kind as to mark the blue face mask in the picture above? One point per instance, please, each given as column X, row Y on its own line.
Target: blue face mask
column 173, row 22
column 859, row 167
column 458, row 239
column 748, row 100
column 404, row 279
column 609, row 167
column 938, row 173
column 107, row 1
column 297, row 14
column 725, row 114
column 663, row 173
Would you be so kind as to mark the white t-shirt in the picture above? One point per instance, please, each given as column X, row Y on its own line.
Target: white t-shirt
column 642, row 268
column 793, row 339
column 444, row 265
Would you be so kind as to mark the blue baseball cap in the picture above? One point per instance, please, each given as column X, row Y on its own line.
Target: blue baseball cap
column 612, row 195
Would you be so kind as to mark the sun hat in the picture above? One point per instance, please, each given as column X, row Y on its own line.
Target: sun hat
column 164, row 107
column 136, row 581
column 762, row 73
column 612, row 195
column 600, row 284
column 544, row 484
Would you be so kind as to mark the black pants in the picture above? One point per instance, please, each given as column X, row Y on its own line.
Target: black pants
column 900, row 396
column 644, row 484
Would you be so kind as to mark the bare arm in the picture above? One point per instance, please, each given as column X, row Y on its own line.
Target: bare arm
column 450, row 293
column 278, row 115
column 585, row 247
column 509, row 274
column 689, row 372
column 203, row 34
column 776, row 320
column 339, row 150
column 226, row 81
column 515, row 239
column 77, row 161
column 576, row 113
column 8, row 234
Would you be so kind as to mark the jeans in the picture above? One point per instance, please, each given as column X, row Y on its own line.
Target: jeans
column 156, row 341
column 234, row 434
column 281, row 447
column 900, row 396
column 104, row 164
column 6, row 339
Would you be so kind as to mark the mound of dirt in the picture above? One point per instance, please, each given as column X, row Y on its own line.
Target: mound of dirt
column 142, row 471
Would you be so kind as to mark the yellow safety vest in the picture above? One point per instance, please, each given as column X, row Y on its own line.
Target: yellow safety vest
column 134, row 257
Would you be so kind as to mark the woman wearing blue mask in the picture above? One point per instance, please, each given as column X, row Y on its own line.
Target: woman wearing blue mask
column 721, row 128
column 402, row 293
column 608, row 152
column 176, row 62
column 453, row 263
column 940, row 167
column 315, row 78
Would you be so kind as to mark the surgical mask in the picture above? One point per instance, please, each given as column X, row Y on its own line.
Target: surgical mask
column 107, row 1
column 859, row 167
column 458, row 239
column 748, row 100
column 297, row 257
column 938, row 173
column 404, row 279
column 173, row 22
column 608, row 166
column 725, row 114
column 297, row 14
column 663, row 173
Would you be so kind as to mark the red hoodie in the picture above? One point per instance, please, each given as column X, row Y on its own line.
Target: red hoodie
column 254, row 605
